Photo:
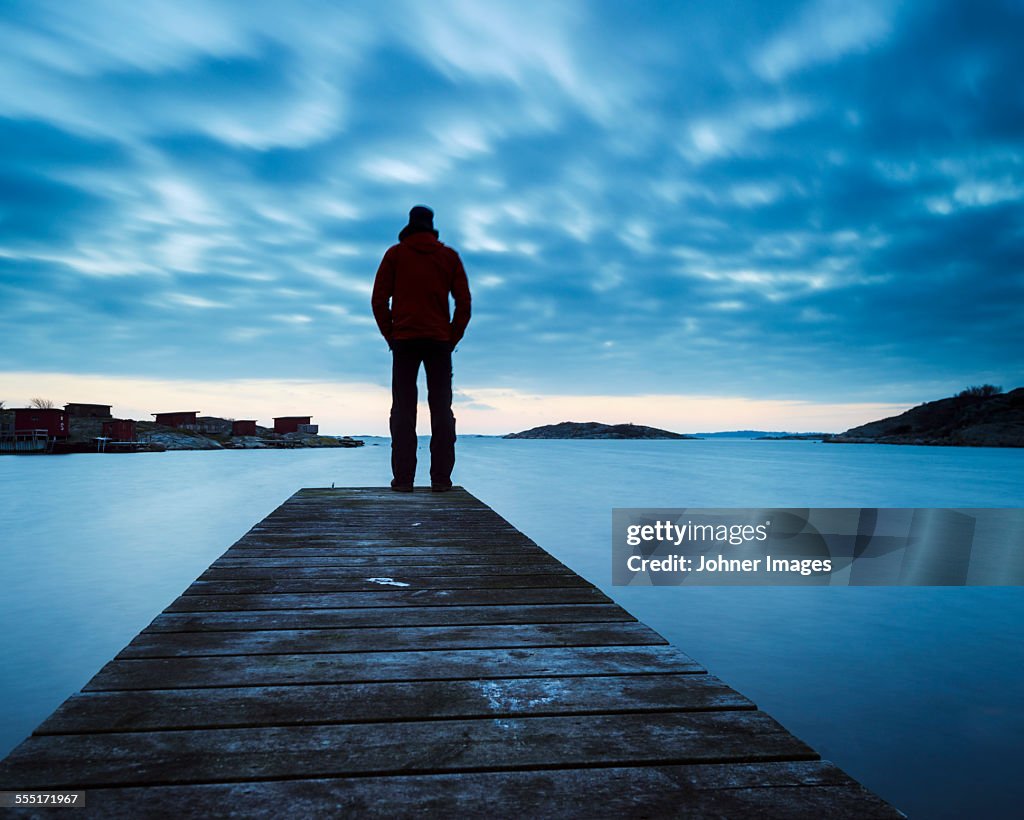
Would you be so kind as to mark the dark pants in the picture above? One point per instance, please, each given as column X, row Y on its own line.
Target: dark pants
column 405, row 367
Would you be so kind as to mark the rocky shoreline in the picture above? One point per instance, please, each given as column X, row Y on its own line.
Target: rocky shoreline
column 214, row 435
column 976, row 417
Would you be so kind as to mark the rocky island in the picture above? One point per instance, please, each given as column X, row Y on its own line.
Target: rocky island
column 596, row 430
column 976, row 417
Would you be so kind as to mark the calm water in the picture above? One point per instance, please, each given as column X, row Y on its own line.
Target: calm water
column 917, row 692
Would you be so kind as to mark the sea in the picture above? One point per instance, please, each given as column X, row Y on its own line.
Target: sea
column 917, row 692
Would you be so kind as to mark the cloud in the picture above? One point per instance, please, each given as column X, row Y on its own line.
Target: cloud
column 739, row 129
column 538, row 51
column 204, row 190
column 824, row 31
column 257, row 79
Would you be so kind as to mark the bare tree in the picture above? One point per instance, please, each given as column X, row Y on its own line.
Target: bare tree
column 41, row 404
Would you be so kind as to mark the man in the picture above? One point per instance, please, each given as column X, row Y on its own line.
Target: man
column 415, row 277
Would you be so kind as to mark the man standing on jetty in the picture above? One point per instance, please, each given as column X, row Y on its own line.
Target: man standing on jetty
column 415, row 277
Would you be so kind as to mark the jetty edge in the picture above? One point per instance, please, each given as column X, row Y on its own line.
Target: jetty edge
column 395, row 655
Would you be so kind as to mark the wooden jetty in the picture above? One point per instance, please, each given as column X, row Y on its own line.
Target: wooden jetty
column 368, row 653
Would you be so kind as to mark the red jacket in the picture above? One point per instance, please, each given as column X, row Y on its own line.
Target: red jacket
column 416, row 276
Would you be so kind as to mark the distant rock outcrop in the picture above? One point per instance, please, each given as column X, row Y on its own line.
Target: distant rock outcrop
column 794, row 437
column 167, row 438
column 975, row 418
column 763, row 435
column 594, row 429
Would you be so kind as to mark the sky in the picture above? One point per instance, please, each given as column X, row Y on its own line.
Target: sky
column 704, row 215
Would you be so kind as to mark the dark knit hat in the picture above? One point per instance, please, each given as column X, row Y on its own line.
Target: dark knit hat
column 421, row 220
column 421, row 217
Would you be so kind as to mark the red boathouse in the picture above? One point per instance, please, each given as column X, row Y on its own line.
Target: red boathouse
column 186, row 420
column 289, row 424
column 243, row 427
column 52, row 420
column 119, row 430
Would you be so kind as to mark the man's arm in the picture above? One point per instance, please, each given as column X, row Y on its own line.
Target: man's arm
column 383, row 290
column 460, row 292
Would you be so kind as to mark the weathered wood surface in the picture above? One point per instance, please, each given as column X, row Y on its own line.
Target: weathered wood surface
column 386, row 638
column 176, row 756
column 348, row 667
column 805, row 790
column 447, row 582
column 375, row 702
column 361, row 652
column 387, row 616
column 384, row 597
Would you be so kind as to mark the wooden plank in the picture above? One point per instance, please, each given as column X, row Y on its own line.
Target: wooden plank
column 388, row 616
column 380, row 538
column 321, row 521
column 369, row 546
column 272, row 670
column 375, row 702
column 801, row 790
column 387, row 639
column 298, row 549
column 318, row 523
column 90, row 760
column 386, row 598
column 334, row 558
column 399, row 526
column 275, row 585
column 408, row 572
column 415, row 571
column 409, row 543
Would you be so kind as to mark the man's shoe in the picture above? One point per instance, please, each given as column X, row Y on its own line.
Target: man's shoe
column 441, row 488
column 399, row 487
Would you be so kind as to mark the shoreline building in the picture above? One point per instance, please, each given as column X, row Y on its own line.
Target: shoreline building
column 243, row 427
column 51, row 419
column 81, row 410
column 120, row 430
column 33, row 429
column 183, row 420
column 294, row 424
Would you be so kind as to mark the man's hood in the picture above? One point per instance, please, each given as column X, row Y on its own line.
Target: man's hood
column 422, row 241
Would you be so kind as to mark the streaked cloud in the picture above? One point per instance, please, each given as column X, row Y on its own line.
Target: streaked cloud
column 824, row 31
column 806, row 200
